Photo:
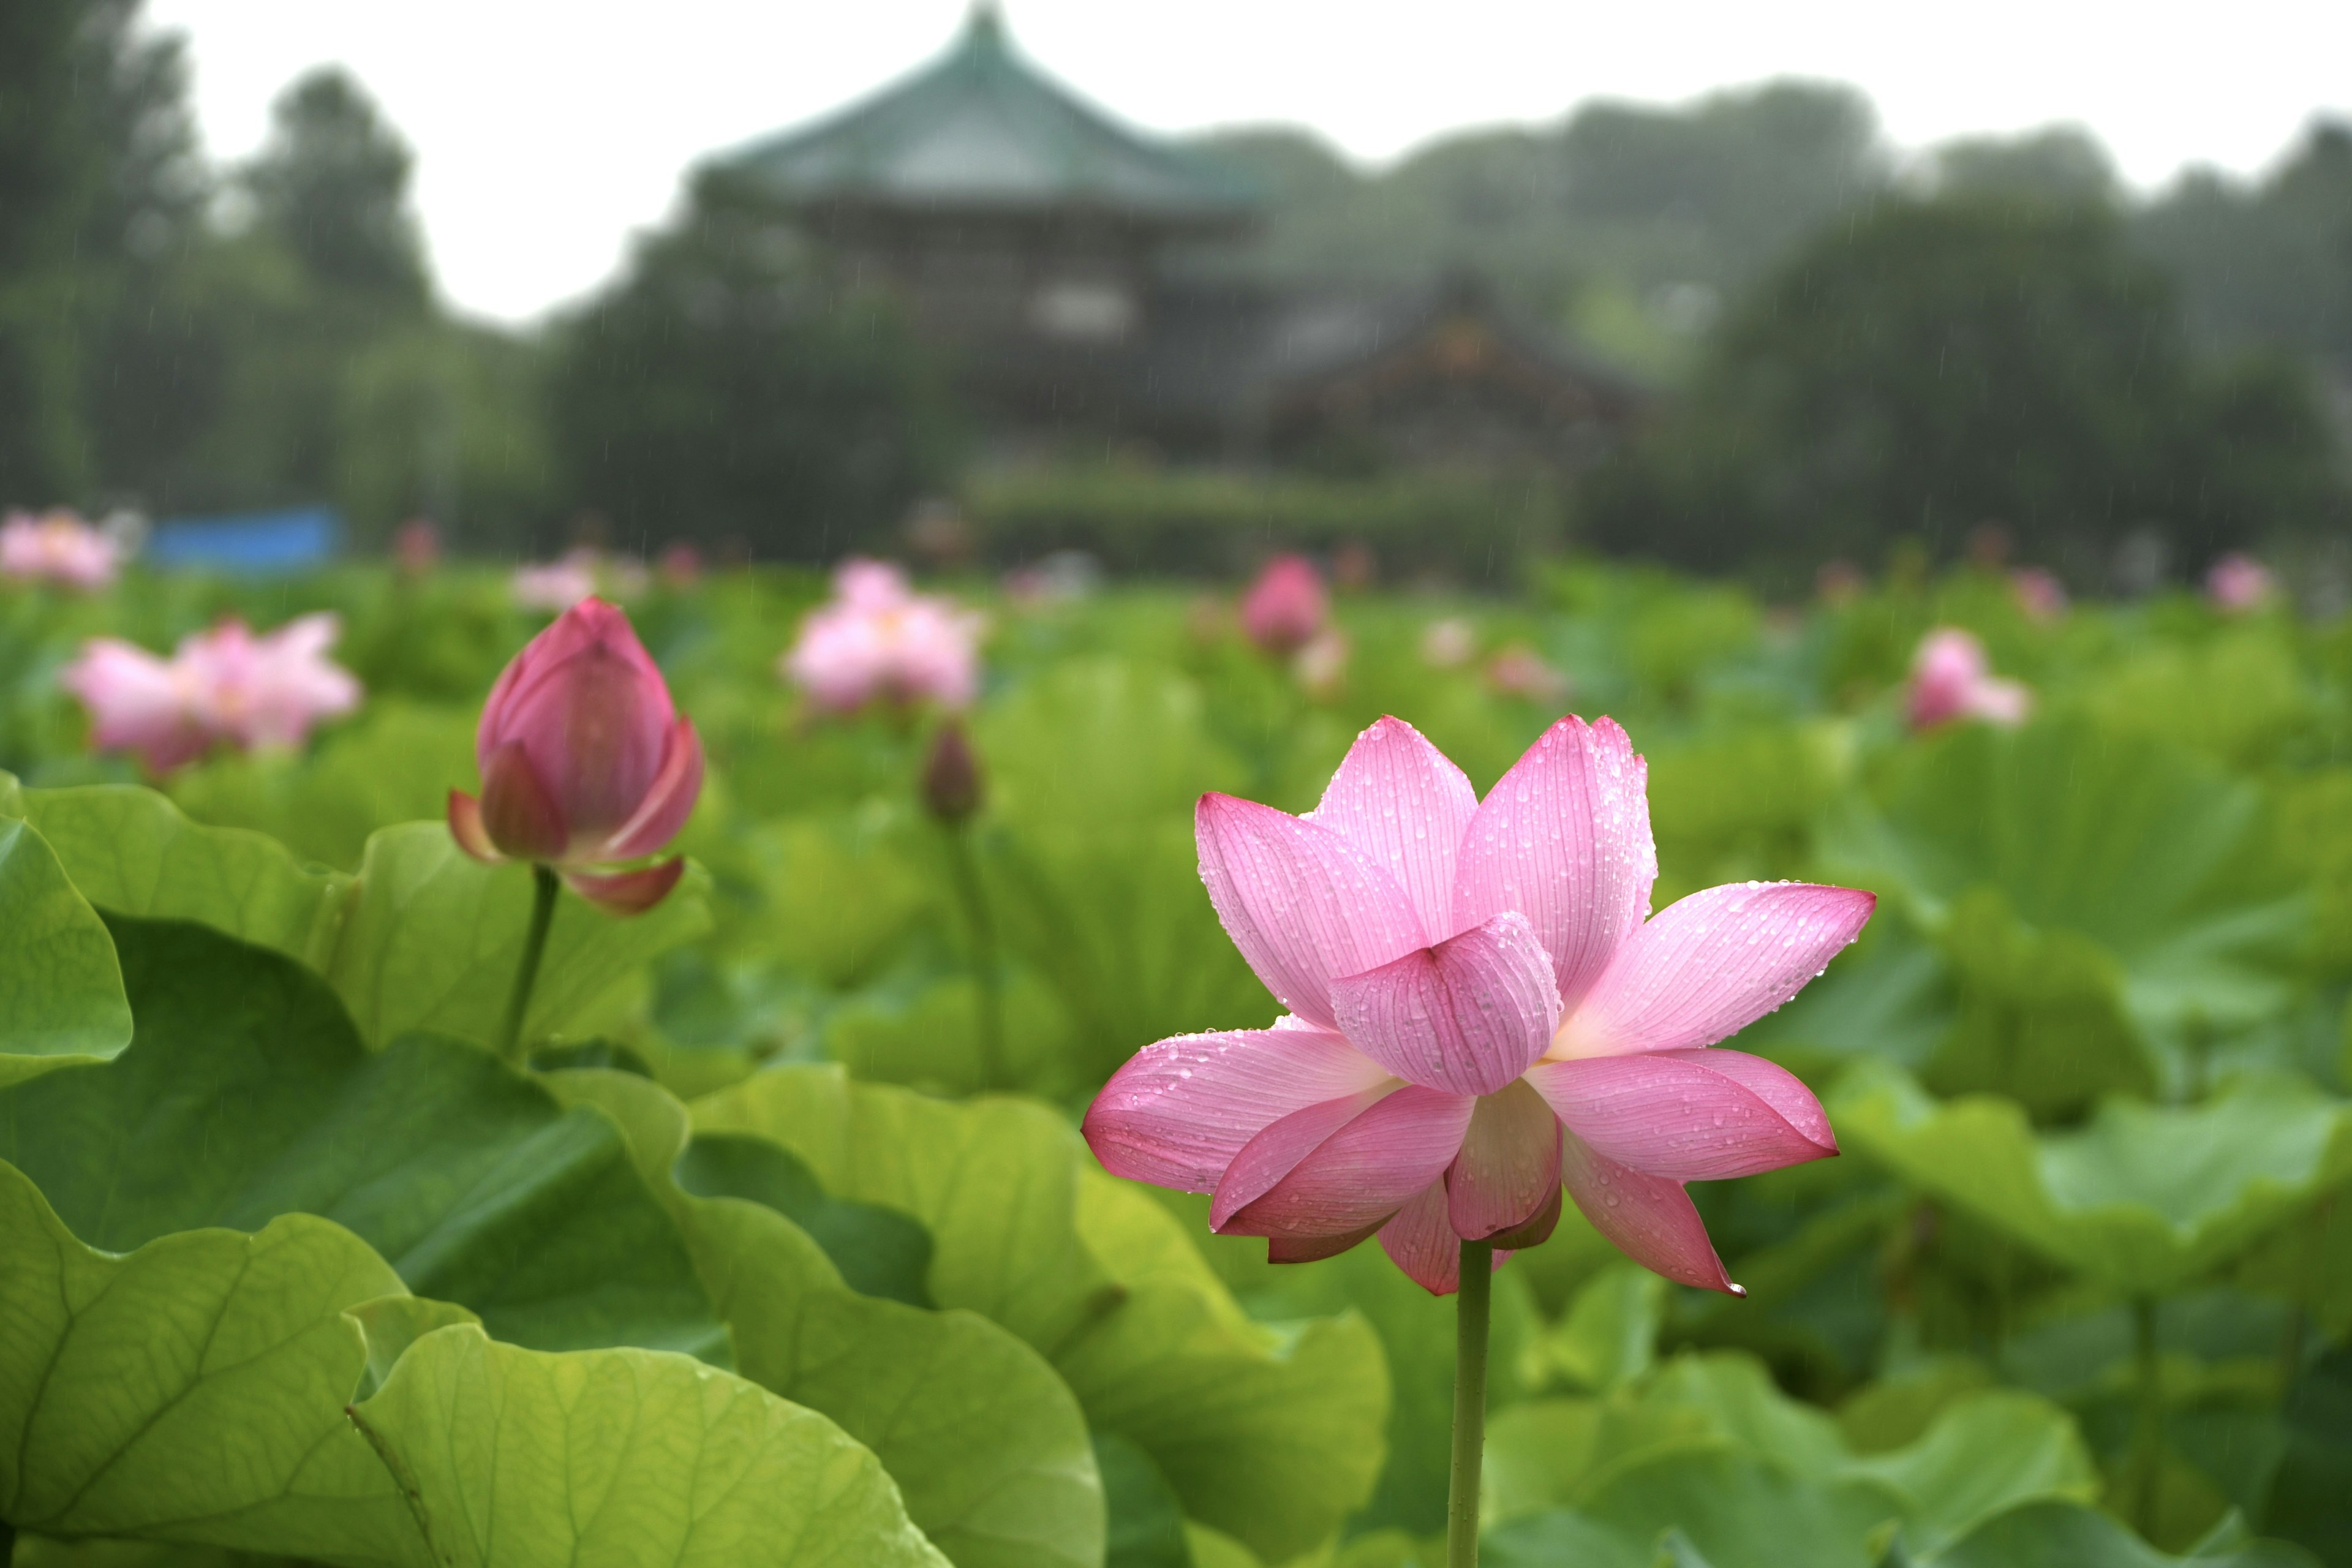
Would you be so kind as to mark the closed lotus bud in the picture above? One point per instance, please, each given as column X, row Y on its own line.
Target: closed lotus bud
column 586, row 762
column 952, row 790
column 1285, row 607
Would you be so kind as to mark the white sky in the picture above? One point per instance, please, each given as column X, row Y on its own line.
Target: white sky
column 546, row 130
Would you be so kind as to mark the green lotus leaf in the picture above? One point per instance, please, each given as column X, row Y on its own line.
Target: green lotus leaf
column 987, row 1444
column 132, row 851
column 518, row 1458
column 1983, row 1456
column 879, row 1251
column 2143, row 1198
column 1609, row 1335
column 2068, row 1535
column 60, row 990
column 1147, row 1520
column 192, row 1390
column 433, row 936
column 1272, row 1437
column 246, row 1094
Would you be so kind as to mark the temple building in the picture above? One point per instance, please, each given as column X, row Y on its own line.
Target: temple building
column 1070, row 263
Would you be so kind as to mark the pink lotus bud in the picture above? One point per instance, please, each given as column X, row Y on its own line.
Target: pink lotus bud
column 953, row 788
column 2237, row 583
column 1952, row 679
column 586, row 762
column 56, row 548
column 2038, row 593
column 1285, row 607
column 416, row 546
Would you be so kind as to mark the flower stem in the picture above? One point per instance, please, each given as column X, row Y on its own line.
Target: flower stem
column 1474, row 1298
column 544, row 886
column 987, row 979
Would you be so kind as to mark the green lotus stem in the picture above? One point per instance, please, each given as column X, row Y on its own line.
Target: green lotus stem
column 1473, row 1303
column 2145, row 1465
column 987, row 979
column 544, row 887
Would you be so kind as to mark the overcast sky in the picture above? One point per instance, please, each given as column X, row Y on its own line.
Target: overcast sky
column 547, row 131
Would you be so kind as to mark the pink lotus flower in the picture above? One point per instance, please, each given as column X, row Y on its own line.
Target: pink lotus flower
column 556, row 584
column 1448, row 644
column 2038, row 593
column 878, row 639
column 1285, row 607
column 2237, row 583
column 1952, row 679
column 1322, row 665
column 1520, row 671
column 56, row 548
column 586, row 762
column 1479, row 1009
column 416, row 546
column 225, row 684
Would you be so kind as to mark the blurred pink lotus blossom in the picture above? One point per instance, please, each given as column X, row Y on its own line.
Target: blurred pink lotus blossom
column 556, row 584
column 586, row 762
column 56, row 547
column 1322, row 665
column 1520, row 671
column 416, row 546
column 225, row 684
column 1952, row 679
column 2237, row 583
column 2038, row 593
column 1449, row 642
column 1285, row 607
column 681, row 565
column 878, row 639
column 1479, row 1008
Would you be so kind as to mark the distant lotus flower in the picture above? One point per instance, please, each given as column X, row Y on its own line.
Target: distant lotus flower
column 1839, row 583
column 1448, row 644
column 56, row 548
column 225, row 684
column 1478, row 1011
column 416, row 546
column 878, row 640
column 2237, row 583
column 681, row 565
column 1285, row 607
column 1322, row 665
column 556, row 584
column 1952, row 679
column 2038, row 593
column 586, row 762
column 1519, row 671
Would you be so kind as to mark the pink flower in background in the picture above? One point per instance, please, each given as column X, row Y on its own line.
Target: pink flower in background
column 1449, row 642
column 2237, row 583
column 56, row 548
column 1519, row 671
column 416, row 546
column 556, row 584
column 2038, row 593
column 225, row 684
column 1479, row 1009
column 1952, row 679
column 1285, row 607
column 681, row 565
column 586, row 762
column 878, row 639
column 1322, row 665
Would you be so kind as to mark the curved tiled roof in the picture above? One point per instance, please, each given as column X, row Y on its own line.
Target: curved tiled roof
column 981, row 129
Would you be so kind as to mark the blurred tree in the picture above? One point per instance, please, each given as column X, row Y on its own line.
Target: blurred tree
column 726, row 390
column 1948, row 363
column 2064, row 164
column 334, row 188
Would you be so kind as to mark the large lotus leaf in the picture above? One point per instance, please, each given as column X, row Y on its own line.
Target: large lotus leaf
column 2143, row 1198
column 132, row 851
column 987, row 1444
column 2313, row 1479
column 246, row 1094
column 192, row 1390
column 1272, row 1437
column 433, row 937
column 518, row 1458
column 60, row 990
column 2068, row 1535
column 1986, row 1454
column 878, row 1250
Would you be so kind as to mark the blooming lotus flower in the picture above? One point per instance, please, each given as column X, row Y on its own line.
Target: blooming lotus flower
column 1480, row 1009
column 2237, row 583
column 878, row 638
column 586, row 762
column 556, row 584
column 56, row 548
column 1285, row 607
column 2038, row 593
column 224, row 684
column 1449, row 642
column 1322, row 665
column 1952, row 679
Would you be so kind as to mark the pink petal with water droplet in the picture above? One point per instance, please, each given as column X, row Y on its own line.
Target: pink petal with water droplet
column 1179, row 1111
column 1648, row 1218
column 1712, row 964
column 1361, row 1172
column 1466, row 1016
column 1404, row 804
column 1421, row 1241
column 1302, row 903
column 1509, row 1164
column 1564, row 839
column 1672, row 1115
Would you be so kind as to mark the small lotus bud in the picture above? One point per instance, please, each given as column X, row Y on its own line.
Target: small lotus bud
column 951, row 782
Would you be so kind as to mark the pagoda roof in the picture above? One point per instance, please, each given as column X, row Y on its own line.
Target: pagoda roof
column 981, row 129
